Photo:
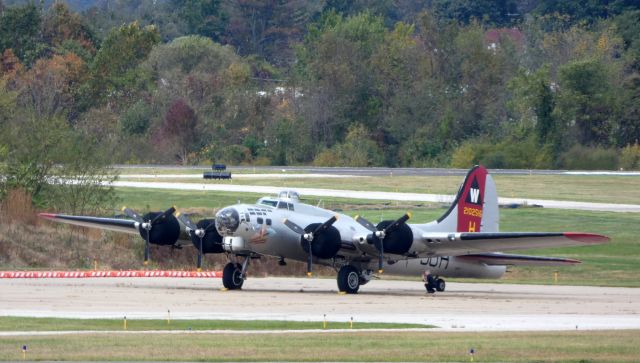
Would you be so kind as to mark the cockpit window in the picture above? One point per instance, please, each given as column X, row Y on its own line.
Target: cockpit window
column 285, row 205
column 290, row 195
column 270, row 203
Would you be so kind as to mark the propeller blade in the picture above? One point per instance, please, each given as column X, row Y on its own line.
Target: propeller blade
column 133, row 215
column 199, row 266
column 210, row 227
column 325, row 225
column 294, row 227
column 381, row 257
column 163, row 215
column 402, row 220
column 365, row 223
column 146, row 248
column 186, row 221
column 310, row 262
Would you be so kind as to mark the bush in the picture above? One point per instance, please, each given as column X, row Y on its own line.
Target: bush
column 589, row 158
column 630, row 157
column 236, row 155
column 464, row 156
column 514, row 154
column 326, row 157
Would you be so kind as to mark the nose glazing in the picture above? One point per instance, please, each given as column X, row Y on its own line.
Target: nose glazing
column 227, row 220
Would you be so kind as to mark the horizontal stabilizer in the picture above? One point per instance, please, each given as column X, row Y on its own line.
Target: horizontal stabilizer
column 501, row 259
column 111, row 224
column 456, row 244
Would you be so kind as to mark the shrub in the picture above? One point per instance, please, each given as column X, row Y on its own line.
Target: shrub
column 516, row 154
column 464, row 156
column 589, row 158
column 630, row 157
column 17, row 207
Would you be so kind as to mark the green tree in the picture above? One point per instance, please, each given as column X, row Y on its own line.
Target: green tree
column 60, row 25
column 20, row 31
column 336, row 61
column 628, row 26
column 627, row 128
column 202, row 17
column 497, row 12
column 586, row 101
column 534, row 102
column 136, row 120
column 54, row 164
column 114, row 69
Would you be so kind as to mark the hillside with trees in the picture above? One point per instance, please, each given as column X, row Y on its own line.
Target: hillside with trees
column 510, row 84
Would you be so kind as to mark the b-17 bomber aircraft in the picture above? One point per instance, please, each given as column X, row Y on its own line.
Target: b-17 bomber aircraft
column 464, row 242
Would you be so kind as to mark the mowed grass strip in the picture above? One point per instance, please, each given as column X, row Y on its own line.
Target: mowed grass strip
column 8, row 323
column 578, row 346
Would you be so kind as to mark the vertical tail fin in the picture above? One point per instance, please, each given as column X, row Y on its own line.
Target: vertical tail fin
column 475, row 208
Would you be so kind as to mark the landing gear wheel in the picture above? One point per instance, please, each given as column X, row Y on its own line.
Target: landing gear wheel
column 440, row 285
column 232, row 276
column 349, row 279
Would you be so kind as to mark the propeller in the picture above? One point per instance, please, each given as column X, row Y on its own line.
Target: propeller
column 198, row 232
column 147, row 225
column 309, row 236
column 381, row 234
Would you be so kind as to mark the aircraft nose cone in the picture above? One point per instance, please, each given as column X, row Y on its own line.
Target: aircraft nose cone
column 227, row 221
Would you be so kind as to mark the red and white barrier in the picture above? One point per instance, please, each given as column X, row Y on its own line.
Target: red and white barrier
column 88, row 274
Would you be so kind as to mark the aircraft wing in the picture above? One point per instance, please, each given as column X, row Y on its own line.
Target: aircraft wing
column 468, row 243
column 111, row 224
column 518, row 260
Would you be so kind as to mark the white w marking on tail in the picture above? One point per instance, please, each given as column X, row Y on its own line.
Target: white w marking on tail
column 475, row 194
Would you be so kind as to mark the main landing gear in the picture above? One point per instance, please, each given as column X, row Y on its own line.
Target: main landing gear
column 350, row 278
column 437, row 284
column 234, row 274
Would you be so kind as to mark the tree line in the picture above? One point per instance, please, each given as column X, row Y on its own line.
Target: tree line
column 517, row 84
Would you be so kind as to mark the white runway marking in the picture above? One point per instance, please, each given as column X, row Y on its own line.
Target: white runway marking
column 464, row 307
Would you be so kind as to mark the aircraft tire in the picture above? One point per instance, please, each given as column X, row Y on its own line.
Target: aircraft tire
column 440, row 285
column 348, row 279
column 232, row 276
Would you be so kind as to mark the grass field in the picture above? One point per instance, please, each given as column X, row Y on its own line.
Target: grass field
column 578, row 346
column 55, row 324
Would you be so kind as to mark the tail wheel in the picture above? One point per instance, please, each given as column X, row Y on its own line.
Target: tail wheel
column 232, row 276
column 349, row 279
column 440, row 285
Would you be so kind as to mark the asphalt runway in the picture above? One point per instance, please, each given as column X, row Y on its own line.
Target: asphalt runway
column 463, row 307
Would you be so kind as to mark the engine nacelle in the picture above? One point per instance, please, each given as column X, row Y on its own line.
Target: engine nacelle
column 325, row 245
column 164, row 232
column 398, row 241
column 212, row 240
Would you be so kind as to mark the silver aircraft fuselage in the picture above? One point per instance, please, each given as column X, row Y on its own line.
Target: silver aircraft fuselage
column 259, row 229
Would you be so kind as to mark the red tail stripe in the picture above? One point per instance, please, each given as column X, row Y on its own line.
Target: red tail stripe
column 587, row 237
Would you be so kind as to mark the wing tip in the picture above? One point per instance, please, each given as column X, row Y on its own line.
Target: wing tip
column 47, row 215
column 589, row 238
